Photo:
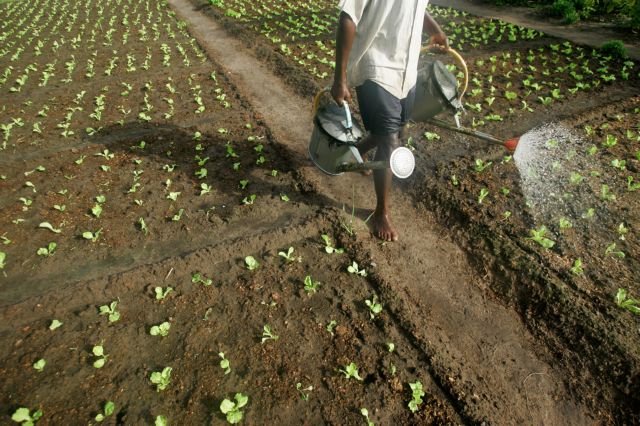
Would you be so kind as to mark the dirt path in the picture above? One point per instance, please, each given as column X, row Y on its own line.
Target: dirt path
column 478, row 350
column 590, row 34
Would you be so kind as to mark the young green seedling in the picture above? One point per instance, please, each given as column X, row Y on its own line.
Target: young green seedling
column 481, row 165
column 39, row 365
column 232, row 409
column 143, row 226
column 484, row 192
column 303, row 391
column 3, row 257
column 224, row 363
column 365, row 414
column 98, row 351
column 328, row 245
column 47, row 251
column 416, row 396
column 110, row 310
column 577, row 268
column 199, row 278
column 23, row 416
column 109, row 408
column 161, row 293
column 629, row 304
column 538, row 235
column 160, row 329
column 350, row 371
column 93, row 236
column 161, row 378
column 354, row 269
column 375, row 307
column 55, row 324
column 331, row 326
column 391, row 347
column 622, row 231
column 268, row 334
column 161, row 421
column 310, row 286
column 47, row 225
column 251, row 263
column 611, row 249
column 288, row 256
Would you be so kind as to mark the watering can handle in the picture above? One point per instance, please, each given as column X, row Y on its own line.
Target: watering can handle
column 461, row 62
column 345, row 104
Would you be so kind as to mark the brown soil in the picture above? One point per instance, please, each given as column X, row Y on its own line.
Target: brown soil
column 555, row 305
column 490, row 333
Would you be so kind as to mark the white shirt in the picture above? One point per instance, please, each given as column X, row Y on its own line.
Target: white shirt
column 387, row 43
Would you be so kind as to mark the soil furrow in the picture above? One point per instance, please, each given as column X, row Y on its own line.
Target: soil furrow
column 479, row 350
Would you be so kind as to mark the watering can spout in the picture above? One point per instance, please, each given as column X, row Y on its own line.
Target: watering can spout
column 512, row 144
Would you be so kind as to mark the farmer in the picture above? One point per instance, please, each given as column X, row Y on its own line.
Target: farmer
column 377, row 49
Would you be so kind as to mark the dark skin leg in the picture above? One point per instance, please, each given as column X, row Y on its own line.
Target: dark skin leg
column 381, row 221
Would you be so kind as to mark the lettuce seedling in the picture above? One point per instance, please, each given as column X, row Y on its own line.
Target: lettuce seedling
column 47, row 251
column 484, row 192
column 23, row 416
column 629, row 304
column 632, row 186
column 577, row 269
column 564, row 223
column 232, row 409
column 350, row 371
column 481, row 165
column 251, row 263
column 3, row 257
column 161, row 378
column 47, row 225
column 375, row 307
column 310, row 286
column 328, row 246
column 622, row 231
column 143, row 226
column 161, row 421
column 611, row 249
column 354, row 269
column 39, row 365
column 303, row 395
column 538, row 235
column 416, row 396
column 93, row 236
column 98, row 351
column 109, row 408
column 224, row 363
column 55, row 324
column 198, row 278
column 110, row 310
column 365, row 413
column 161, row 293
column 332, row 324
column 268, row 334
column 160, row 329
column 288, row 256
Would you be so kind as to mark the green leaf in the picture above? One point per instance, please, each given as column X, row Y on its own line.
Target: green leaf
column 55, row 324
column 21, row 415
column 251, row 263
column 234, row 417
column 98, row 350
column 161, row 421
column 241, row 400
column 47, row 225
column 39, row 365
column 99, row 363
column 109, row 408
column 226, row 406
column 3, row 256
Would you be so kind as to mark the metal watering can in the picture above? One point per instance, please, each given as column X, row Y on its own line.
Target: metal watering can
column 332, row 147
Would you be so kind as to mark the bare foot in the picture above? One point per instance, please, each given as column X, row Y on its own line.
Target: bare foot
column 382, row 227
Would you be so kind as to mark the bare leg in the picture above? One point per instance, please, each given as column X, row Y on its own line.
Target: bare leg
column 382, row 226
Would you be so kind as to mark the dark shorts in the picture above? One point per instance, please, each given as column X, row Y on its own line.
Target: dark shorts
column 382, row 113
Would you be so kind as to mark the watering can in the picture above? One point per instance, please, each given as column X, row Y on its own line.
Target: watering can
column 333, row 143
